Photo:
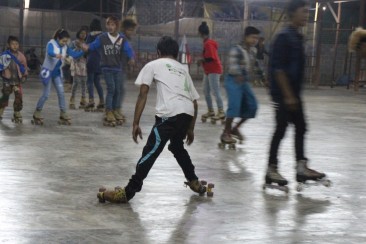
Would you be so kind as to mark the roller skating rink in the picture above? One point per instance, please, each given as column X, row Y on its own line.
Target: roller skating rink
column 50, row 175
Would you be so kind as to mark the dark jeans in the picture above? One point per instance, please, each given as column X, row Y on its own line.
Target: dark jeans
column 283, row 118
column 94, row 80
column 165, row 129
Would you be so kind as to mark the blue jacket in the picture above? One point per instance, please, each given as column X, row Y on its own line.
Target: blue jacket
column 112, row 54
column 51, row 52
column 93, row 58
column 287, row 54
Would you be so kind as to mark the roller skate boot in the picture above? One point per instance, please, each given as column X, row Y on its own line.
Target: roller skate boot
column 305, row 174
column 226, row 139
column 237, row 135
column 82, row 103
column 109, row 119
column 272, row 176
column 116, row 196
column 100, row 107
column 17, row 117
column 197, row 186
column 1, row 113
column 72, row 103
column 64, row 119
column 207, row 115
column 37, row 118
column 219, row 116
column 90, row 106
column 119, row 117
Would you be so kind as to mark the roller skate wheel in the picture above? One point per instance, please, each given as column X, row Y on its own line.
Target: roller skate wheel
column 232, row 146
column 299, row 187
column 203, row 182
column 101, row 197
column 211, row 185
column 327, row 183
column 213, row 121
column 222, row 121
column 204, row 120
column 210, row 194
column 221, row 145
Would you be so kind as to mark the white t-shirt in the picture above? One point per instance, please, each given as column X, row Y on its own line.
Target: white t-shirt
column 113, row 38
column 175, row 89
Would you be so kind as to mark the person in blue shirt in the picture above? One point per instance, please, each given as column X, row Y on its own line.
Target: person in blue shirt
column 286, row 76
column 112, row 44
column 56, row 51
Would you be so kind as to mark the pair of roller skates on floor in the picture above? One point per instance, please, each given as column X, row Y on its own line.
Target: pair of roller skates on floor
column 90, row 107
column 220, row 116
column 274, row 180
column 64, row 118
column 82, row 103
column 113, row 118
column 17, row 116
column 230, row 139
column 118, row 195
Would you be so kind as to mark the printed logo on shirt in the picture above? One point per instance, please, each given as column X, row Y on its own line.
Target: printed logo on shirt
column 110, row 49
column 175, row 71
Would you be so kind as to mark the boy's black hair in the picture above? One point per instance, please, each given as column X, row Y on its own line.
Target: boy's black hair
column 293, row 5
column 79, row 32
column 128, row 24
column 167, row 46
column 95, row 25
column 60, row 34
column 251, row 30
column 203, row 29
column 12, row 39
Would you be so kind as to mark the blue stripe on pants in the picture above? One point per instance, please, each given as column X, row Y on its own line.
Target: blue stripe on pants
column 156, row 146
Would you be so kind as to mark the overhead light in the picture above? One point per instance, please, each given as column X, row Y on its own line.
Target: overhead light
column 26, row 4
column 324, row 8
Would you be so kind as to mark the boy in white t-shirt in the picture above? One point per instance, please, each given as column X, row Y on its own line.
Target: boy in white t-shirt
column 176, row 112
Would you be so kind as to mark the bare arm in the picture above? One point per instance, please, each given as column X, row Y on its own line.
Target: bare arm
column 139, row 108
column 190, row 132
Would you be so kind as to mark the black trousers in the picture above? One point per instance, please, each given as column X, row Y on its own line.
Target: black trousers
column 165, row 129
column 283, row 118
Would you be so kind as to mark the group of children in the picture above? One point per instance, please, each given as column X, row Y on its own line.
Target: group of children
column 92, row 54
column 176, row 105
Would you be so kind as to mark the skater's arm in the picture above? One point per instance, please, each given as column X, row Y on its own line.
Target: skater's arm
column 74, row 54
column 139, row 108
column 95, row 45
column 129, row 52
column 190, row 132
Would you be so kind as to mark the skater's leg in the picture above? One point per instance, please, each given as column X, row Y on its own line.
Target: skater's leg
column 118, row 79
column 42, row 100
column 59, row 86
column 7, row 90
column 207, row 92
column 279, row 133
column 75, row 84
column 300, row 129
column 98, row 86
column 90, row 83
column 83, row 85
column 176, row 146
column 110, row 90
column 249, row 105
column 214, row 80
column 18, row 100
column 156, row 141
column 122, row 90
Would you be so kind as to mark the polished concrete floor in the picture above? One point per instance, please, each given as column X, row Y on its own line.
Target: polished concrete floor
column 49, row 177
